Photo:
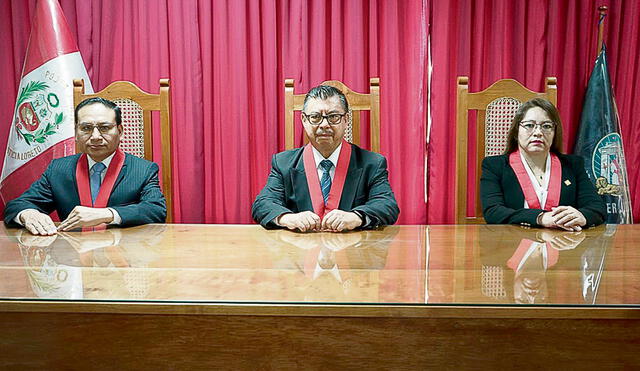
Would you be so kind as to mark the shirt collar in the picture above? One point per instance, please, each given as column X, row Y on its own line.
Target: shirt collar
column 106, row 161
column 317, row 156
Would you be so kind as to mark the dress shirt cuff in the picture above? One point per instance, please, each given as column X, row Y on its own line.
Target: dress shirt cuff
column 17, row 219
column 117, row 220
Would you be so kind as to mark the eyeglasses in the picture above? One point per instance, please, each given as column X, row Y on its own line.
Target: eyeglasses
column 316, row 118
column 87, row 129
column 546, row 127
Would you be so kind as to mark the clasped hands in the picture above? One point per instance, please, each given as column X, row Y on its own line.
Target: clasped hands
column 81, row 216
column 561, row 240
column 563, row 217
column 334, row 221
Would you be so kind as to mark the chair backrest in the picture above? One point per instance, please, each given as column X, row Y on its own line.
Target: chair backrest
column 137, row 107
column 494, row 109
column 358, row 103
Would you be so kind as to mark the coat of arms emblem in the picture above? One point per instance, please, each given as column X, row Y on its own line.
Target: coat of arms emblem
column 607, row 158
column 37, row 115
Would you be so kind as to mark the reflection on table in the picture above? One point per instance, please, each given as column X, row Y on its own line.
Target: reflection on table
column 522, row 272
column 398, row 264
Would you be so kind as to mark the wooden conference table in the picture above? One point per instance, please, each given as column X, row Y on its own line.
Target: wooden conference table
column 239, row 296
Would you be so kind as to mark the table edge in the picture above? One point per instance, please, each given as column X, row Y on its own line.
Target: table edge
column 321, row 310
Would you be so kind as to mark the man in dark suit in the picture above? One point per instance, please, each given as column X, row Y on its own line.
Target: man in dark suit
column 101, row 185
column 328, row 185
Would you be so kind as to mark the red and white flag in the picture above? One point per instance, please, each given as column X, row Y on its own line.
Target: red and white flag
column 43, row 125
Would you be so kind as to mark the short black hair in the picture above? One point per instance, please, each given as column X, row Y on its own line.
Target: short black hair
column 105, row 102
column 325, row 92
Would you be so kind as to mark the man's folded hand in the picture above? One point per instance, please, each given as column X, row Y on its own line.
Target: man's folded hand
column 82, row 216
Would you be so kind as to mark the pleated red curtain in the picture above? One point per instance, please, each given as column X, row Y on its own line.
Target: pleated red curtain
column 227, row 60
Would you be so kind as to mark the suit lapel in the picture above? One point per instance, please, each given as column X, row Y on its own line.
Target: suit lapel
column 351, row 183
column 300, row 188
column 567, row 176
column 74, row 180
column 119, row 178
column 121, row 174
column 514, row 196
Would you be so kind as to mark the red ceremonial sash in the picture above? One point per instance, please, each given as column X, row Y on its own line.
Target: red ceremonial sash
column 553, row 191
column 313, row 182
column 84, row 187
column 523, row 247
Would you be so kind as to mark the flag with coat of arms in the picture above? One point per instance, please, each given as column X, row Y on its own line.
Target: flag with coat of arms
column 43, row 124
column 600, row 144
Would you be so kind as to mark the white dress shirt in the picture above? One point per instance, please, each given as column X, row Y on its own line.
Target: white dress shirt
column 541, row 190
column 318, row 157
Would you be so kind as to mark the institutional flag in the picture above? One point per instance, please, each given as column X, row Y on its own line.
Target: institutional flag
column 43, row 124
column 600, row 143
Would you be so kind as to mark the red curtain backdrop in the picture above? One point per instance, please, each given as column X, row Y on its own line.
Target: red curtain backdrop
column 227, row 60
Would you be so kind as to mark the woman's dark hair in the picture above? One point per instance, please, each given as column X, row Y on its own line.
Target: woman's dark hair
column 552, row 112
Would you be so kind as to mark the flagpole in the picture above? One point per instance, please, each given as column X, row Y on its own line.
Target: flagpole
column 603, row 13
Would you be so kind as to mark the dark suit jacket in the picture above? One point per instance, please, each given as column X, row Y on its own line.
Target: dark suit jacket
column 503, row 199
column 136, row 194
column 366, row 189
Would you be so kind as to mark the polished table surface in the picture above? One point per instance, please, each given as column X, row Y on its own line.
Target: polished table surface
column 480, row 265
column 241, row 297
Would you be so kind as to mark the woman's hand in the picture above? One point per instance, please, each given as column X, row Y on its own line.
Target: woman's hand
column 564, row 217
column 561, row 240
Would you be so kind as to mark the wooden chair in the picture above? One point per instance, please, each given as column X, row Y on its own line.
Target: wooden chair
column 494, row 109
column 137, row 107
column 358, row 103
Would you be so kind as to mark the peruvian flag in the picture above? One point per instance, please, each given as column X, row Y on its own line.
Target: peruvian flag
column 43, row 124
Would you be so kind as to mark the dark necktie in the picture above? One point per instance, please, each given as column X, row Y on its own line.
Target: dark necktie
column 96, row 179
column 325, row 182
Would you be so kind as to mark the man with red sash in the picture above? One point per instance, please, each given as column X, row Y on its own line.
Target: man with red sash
column 329, row 184
column 533, row 183
column 102, row 185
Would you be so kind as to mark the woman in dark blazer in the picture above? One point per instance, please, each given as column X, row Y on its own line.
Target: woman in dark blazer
column 532, row 183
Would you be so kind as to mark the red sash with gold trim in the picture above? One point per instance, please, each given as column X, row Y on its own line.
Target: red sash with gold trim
column 84, row 186
column 313, row 182
column 553, row 191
